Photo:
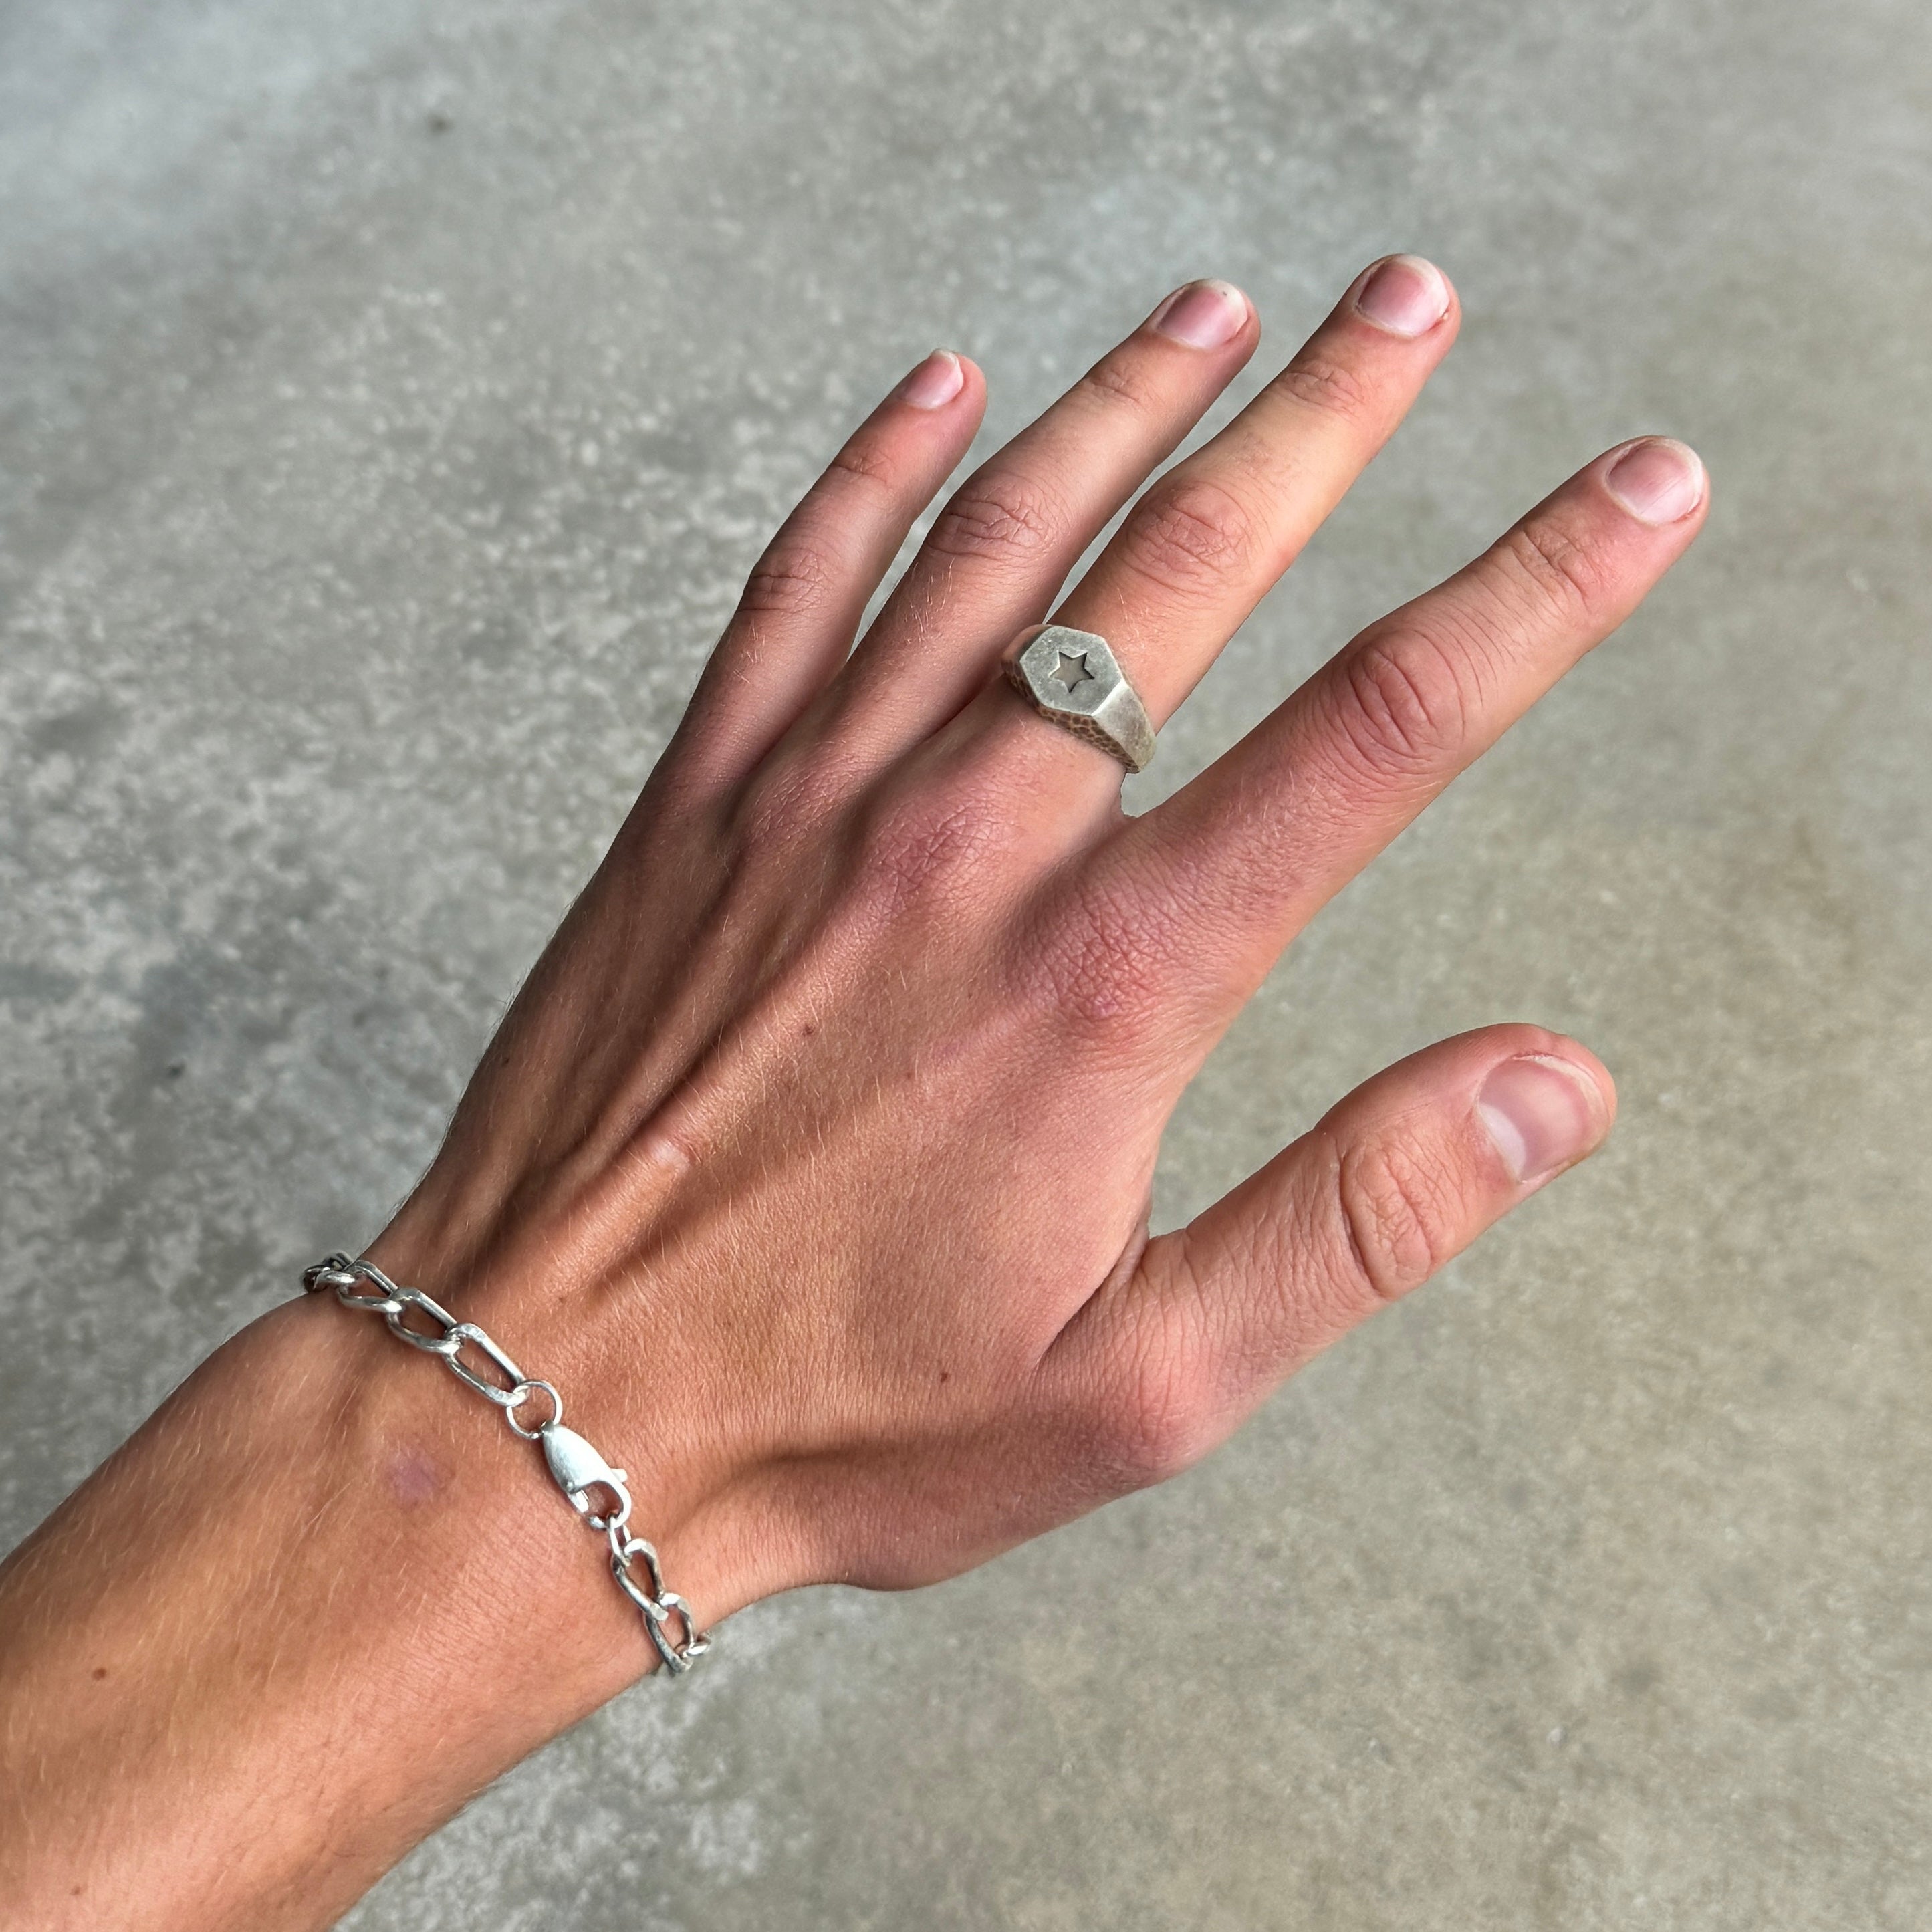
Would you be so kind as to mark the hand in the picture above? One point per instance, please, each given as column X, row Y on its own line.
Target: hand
column 813, row 1163
column 817, row 1153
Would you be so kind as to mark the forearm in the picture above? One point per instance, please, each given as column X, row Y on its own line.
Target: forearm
column 306, row 1611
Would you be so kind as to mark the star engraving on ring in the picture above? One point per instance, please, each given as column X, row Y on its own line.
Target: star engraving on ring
column 1071, row 673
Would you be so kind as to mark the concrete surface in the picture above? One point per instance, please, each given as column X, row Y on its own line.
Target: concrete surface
column 391, row 394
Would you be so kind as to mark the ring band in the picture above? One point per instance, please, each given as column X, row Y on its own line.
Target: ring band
column 1072, row 680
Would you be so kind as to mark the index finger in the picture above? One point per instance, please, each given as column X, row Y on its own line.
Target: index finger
column 1247, row 852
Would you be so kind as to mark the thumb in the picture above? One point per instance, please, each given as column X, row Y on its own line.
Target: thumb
column 1395, row 1180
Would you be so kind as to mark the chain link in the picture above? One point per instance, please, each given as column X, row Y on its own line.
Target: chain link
column 575, row 1467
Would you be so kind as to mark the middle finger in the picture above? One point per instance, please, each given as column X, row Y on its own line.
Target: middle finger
column 1001, row 548
column 1209, row 539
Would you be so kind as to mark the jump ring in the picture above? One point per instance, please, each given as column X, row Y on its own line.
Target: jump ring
column 515, row 1402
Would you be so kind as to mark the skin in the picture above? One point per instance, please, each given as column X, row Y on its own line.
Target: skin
column 813, row 1161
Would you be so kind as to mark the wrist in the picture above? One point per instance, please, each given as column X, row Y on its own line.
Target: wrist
column 638, row 1381
column 532, row 1410
column 297, row 1621
column 452, row 1522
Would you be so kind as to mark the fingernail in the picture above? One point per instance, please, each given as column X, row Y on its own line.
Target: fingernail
column 1203, row 315
column 1542, row 1114
column 1659, row 480
column 1405, row 296
column 935, row 382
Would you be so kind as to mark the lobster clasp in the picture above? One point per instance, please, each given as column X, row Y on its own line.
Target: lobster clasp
column 576, row 1469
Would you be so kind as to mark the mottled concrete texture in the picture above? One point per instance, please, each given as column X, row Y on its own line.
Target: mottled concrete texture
column 391, row 394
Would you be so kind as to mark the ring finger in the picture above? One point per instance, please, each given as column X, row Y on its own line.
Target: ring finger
column 1209, row 539
column 1005, row 540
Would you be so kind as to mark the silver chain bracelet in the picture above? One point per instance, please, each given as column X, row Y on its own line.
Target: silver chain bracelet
column 574, row 1466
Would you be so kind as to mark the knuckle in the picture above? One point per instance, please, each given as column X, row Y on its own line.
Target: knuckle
column 1000, row 515
column 1190, row 536
column 1107, row 973
column 1398, row 1213
column 1120, row 379
column 784, row 802
column 1335, row 388
column 862, row 466
column 928, row 846
column 1562, row 572
column 794, row 578
column 1160, row 1422
column 1403, row 709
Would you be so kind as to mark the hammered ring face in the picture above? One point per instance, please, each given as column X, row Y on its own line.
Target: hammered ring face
column 1072, row 679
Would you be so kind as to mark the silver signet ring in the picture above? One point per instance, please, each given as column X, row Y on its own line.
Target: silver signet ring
column 1071, row 678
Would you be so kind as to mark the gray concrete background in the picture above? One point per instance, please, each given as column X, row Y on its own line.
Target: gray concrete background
column 391, row 394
